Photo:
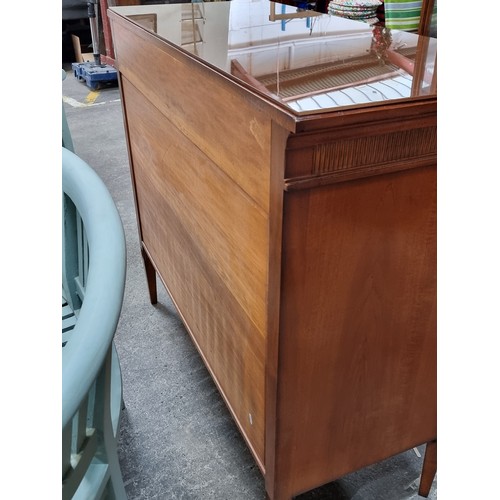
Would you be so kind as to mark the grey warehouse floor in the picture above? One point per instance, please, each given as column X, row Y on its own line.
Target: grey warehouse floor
column 177, row 439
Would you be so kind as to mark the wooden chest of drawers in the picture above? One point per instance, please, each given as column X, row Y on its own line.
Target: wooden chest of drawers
column 299, row 247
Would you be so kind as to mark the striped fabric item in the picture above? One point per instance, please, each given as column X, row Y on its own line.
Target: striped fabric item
column 402, row 14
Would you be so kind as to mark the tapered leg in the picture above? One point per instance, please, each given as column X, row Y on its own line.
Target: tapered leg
column 278, row 492
column 150, row 276
column 429, row 469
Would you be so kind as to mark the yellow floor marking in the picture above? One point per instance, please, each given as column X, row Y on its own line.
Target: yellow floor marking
column 92, row 96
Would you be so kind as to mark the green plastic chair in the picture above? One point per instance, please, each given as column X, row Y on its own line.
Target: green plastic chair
column 94, row 266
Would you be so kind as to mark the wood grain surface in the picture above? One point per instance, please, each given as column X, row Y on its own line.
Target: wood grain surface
column 300, row 252
column 357, row 365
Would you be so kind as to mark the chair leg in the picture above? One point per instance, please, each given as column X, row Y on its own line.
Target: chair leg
column 150, row 276
column 429, row 469
column 109, row 436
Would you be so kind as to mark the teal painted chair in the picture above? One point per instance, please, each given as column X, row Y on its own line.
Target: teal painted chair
column 93, row 283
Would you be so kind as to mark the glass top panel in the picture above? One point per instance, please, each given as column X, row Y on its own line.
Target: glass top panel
column 300, row 58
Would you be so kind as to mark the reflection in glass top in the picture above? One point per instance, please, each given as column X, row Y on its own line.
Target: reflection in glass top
column 300, row 58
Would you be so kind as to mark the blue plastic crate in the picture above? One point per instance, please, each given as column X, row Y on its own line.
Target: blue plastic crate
column 95, row 75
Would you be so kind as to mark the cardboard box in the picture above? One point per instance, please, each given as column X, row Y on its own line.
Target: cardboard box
column 80, row 56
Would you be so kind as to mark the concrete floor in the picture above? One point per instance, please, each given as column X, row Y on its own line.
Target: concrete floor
column 177, row 439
